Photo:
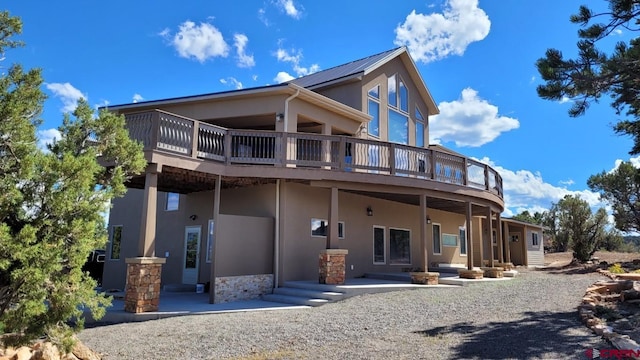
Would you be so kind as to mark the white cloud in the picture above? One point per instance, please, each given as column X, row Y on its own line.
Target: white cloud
column 567, row 182
column 295, row 57
column 137, row 98
column 240, row 43
column 469, row 121
column 201, row 42
column 46, row 137
column 564, row 99
column 283, row 77
column 436, row 36
column 532, row 80
column 635, row 161
column 527, row 190
column 68, row 94
column 255, row 77
column 263, row 18
column 290, row 8
column 231, row 81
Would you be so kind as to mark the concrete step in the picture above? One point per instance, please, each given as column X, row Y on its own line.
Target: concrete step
column 296, row 300
column 405, row 277
column 312, row 294
column 179, row 288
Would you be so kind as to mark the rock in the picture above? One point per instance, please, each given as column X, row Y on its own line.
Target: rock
column 82, row 352
column 22, row 353
column 624, row 342
column 69, row 356
column 47, row 351
column 622, row 324
column 5, row 357
column 631, row 294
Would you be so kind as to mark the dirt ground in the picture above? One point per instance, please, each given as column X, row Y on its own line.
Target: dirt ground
column 564, row 258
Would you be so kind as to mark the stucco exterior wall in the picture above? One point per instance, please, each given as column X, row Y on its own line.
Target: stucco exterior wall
column 535, row 253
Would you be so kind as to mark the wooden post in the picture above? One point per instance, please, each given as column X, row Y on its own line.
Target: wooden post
column 332, row 236
column 194, row 139
column 500, row 238
column 490, row 221
column 147, row 241
column 423, row 232
column 392, row 159
column 216, row 232
column 468, row 232
column 507, row 243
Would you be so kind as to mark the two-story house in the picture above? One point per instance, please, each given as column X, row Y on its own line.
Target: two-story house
column 327, row 176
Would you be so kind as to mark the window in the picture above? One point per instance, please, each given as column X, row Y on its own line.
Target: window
column 374, row 123
column 437, row 245
column 173, row 201
column 463, row 241
column 378, row 245
column 419, row 134
column 116, row 242
column 449, row 240
column 375, row 92
column 404, row 96
column 392, row 91
column 210, row 240
column 320, row 228
column 495, row 237
column 399, row 246
column 398, row 127
column 534, row 239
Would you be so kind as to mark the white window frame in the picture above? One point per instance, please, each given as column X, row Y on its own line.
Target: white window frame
column 410, row 252
column 166, row 203
column 534, row 239
column 210, row 239
column 460, row 230
column 384, row 244
column 452, row 235
column 341, row 226
column 439, row 239
column 376, row 100
column 113, row 227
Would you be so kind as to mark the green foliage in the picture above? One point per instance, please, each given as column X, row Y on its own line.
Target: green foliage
column 612, row 241
column 621, row 188
column 616, row 269
column 594, row 73
column 536, row 218
column 51, row 204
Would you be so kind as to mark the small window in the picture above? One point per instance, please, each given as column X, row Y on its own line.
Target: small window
column 173, row 202
column 404, row 96
column 437, row 245
column 419, row 134
column 399, row 246
column 210, row 240
column 449, row 240
column 375, row 92
column 419, row 115
column 495, row 237
column 463, row 241
column 116, row 242
column 378, row 245
column 534, row 239
column 320, row 228
column 393, row 92
column 374, row 123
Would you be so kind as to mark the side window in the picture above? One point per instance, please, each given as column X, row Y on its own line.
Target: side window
column 116, row 242
column 437, row 244
column 534, row 239
column 463, row 241
column 373, row 109
column 379, row 245
column 173, row 202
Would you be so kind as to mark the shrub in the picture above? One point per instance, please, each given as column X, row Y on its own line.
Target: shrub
column 616, row 269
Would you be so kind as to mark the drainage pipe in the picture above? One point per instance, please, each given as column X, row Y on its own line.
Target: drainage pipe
column 286, row 109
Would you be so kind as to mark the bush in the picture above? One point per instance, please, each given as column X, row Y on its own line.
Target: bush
column 616, row 269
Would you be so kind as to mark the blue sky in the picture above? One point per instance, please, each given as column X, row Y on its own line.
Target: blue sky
column 476, row 57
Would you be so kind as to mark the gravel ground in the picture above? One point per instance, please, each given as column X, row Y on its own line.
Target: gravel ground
column 531, row 317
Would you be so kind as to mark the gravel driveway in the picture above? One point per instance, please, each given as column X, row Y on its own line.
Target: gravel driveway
column 531, row 317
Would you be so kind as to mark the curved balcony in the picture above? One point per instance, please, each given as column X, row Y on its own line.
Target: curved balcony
column 171, row 133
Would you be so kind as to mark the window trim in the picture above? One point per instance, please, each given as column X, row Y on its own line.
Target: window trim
column 534, row 239
column 410, row 252
column 434, row 240
column 327, row 222
column 166, row 203
column 460, row 230
column 453, row 235
column 377, row 101
column 111, row 242
column 384, row 244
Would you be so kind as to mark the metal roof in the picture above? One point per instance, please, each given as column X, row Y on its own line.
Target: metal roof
column 340, row 71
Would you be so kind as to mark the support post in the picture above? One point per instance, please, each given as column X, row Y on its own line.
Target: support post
column 469, row 231
column 423, row 232
column 216, row 231
column 147, row 240
column 332, row 236
column 500, row 238
column 490, row 235
column 507, row 243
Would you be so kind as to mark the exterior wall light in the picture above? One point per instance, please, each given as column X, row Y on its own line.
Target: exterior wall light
column 369, row 211
column 279, row 117
column 428, row 220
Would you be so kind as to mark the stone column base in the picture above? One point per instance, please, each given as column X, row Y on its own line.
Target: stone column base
column 470, row 274
column 142, row 292
column 425, row 278
column 507, row 266
column 493, row 272
column 332, row 266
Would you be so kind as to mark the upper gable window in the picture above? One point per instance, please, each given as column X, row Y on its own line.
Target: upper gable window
column 419, row 115
column 419, row 128
column 375, row 92
column 403, row 96
column 393, row 92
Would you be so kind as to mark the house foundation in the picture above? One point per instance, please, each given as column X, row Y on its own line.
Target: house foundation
column 332, row 266
column 142, row 291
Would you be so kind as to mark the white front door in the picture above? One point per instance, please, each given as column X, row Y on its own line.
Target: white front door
column 191, row 255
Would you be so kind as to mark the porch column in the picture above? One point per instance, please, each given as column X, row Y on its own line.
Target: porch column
column 326, row 146
column 144, row 272
column 424, row 261
column 469, row 232
column 332, row 260
column 486, row 238
column 507, row 243
column 499, row 238
column 524, row 246
column 216, row 226
column 490, row 236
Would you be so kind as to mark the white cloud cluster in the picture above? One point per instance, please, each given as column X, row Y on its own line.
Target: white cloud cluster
column 294, row 58
column 240, row 43
column 137, row 98
column 46, row 137
column 469, row 121
column 67, row 93
column 526, row 190
column 231, row 81
column 201, row 42
column 290, row 8
column 436, row 36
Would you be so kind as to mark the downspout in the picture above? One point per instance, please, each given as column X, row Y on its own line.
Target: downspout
column 286, row 109
column 276, row 242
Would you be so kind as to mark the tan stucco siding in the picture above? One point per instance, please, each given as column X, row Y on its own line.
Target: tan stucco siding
column 450, row 223
column 348, row 94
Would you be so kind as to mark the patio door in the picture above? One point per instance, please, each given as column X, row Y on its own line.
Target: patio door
column 191, row 261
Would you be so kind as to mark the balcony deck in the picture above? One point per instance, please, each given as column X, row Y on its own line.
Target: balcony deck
column 186, row 138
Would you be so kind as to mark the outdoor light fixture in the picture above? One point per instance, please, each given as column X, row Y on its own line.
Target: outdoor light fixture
column 193, row 217
column 279, row 116
column 428, row 220
column 369, row 211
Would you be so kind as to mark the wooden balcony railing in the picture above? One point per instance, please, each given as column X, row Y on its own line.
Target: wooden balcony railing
column 159, row 130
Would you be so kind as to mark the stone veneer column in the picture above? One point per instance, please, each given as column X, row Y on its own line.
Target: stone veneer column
column 142, row 292
column 332, row 266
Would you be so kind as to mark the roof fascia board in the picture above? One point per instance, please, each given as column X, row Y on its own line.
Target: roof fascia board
column 355, row 77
